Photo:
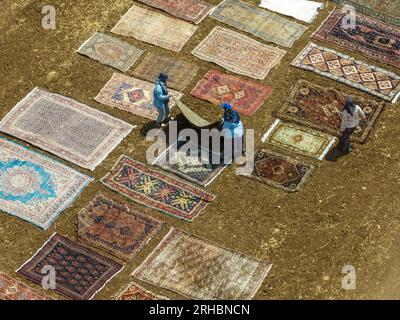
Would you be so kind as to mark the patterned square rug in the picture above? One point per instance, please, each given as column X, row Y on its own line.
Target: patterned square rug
column 321, row 108
column 155, row 28
column 238, row 53
column 200, row 269
column 132, row 95
column 80, row 272
column 299, row 139
column 34, row 187
column 347, row 70
column 69, row 129
column 156, row 189
column 245, row 96
column 135, row 292
column 116, row 228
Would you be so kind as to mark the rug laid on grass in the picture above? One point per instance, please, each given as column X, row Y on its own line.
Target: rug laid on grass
column 190, row 10
column 34, row 187
column 192, row 162
column 135, row 292
column 110, row 51
column 80, row 272
column 279, row 171
column 345, row 69
column 154, row 28
column 115, row 227
column 69, row 129
column 200, row 269
column 245, row 96
column 11, row 289
column 238, row 53
column 370, row 37
column 132, row 95
column 258, row 22
column 157, row 189
column 321, row 108
column 299, row 139
column 180, row 73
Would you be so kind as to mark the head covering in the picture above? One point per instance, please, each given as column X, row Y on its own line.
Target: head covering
column 226, row 106
column 163, row 77
column 350, row 107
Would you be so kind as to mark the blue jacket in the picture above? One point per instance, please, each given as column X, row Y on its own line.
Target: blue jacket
column 160, row 95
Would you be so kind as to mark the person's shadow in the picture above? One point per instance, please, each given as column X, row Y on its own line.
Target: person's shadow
column 335, row 154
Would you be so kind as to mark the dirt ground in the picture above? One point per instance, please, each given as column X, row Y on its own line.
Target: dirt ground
column 347, row 213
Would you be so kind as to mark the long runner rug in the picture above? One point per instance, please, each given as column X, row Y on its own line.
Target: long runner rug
column 63, row 126
column 155, row 28
column 321, row 108
column 245, row 96
column 132, row 95
column 299, row 139
column 34, row 187
column 370, row 37
column 347, row 70
column 258, row 22
column 200, row 269
column 238, row 53
column 133, row 291
column 156, row 189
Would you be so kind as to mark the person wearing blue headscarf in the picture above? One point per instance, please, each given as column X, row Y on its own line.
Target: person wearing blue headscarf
column 161, row 100
column 232, row 126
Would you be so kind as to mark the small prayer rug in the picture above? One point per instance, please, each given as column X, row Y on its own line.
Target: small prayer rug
column 190, row 10
column 345, row 69
column 238, row 53
column 132, row 95
column 245, row 96
column 373, row 38
column 115, row 227
column 110, row 51
column 69, row 129
column 280, row 171
column 155, row 28
column 200, row 269
column 80, row 272
column 321, row 108
column 135, row 292
column 157, row 189
column 34, row 187
column 258, row 22
column 180, row 73
column 11, row 289
column 299, row 139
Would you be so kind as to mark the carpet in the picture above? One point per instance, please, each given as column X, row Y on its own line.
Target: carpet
column 110, row 51
column 321, row 108
column 245, row 96
column 299, row 139
column 155, row 28
column 372, row 38
column 80, row 272
column 347, row 70
column 200, row 269
column 192, row 116
column 191, row 10
column 71, row 130
column 192, row 162
column 11, row 289
column 180, row 73
column 116, row 228
column 34, row 187
column 280, row 171
column 156, row 189
column 238, row 53
column 132, row 95
column 135, row 292
column 263, row 24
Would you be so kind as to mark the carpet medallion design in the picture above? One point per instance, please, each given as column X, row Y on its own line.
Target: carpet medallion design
column 135, row 292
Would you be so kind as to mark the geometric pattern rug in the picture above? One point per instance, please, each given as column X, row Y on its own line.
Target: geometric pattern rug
column 133, row 291
column 321, row 108
column 156, row 189
column 34, row 187
column 115, row 228
column 347, row 70
column 301, row 140
column 199, row 269
column 132, row 95
column 370, row 37
column 80, row 272
column 245, row 96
